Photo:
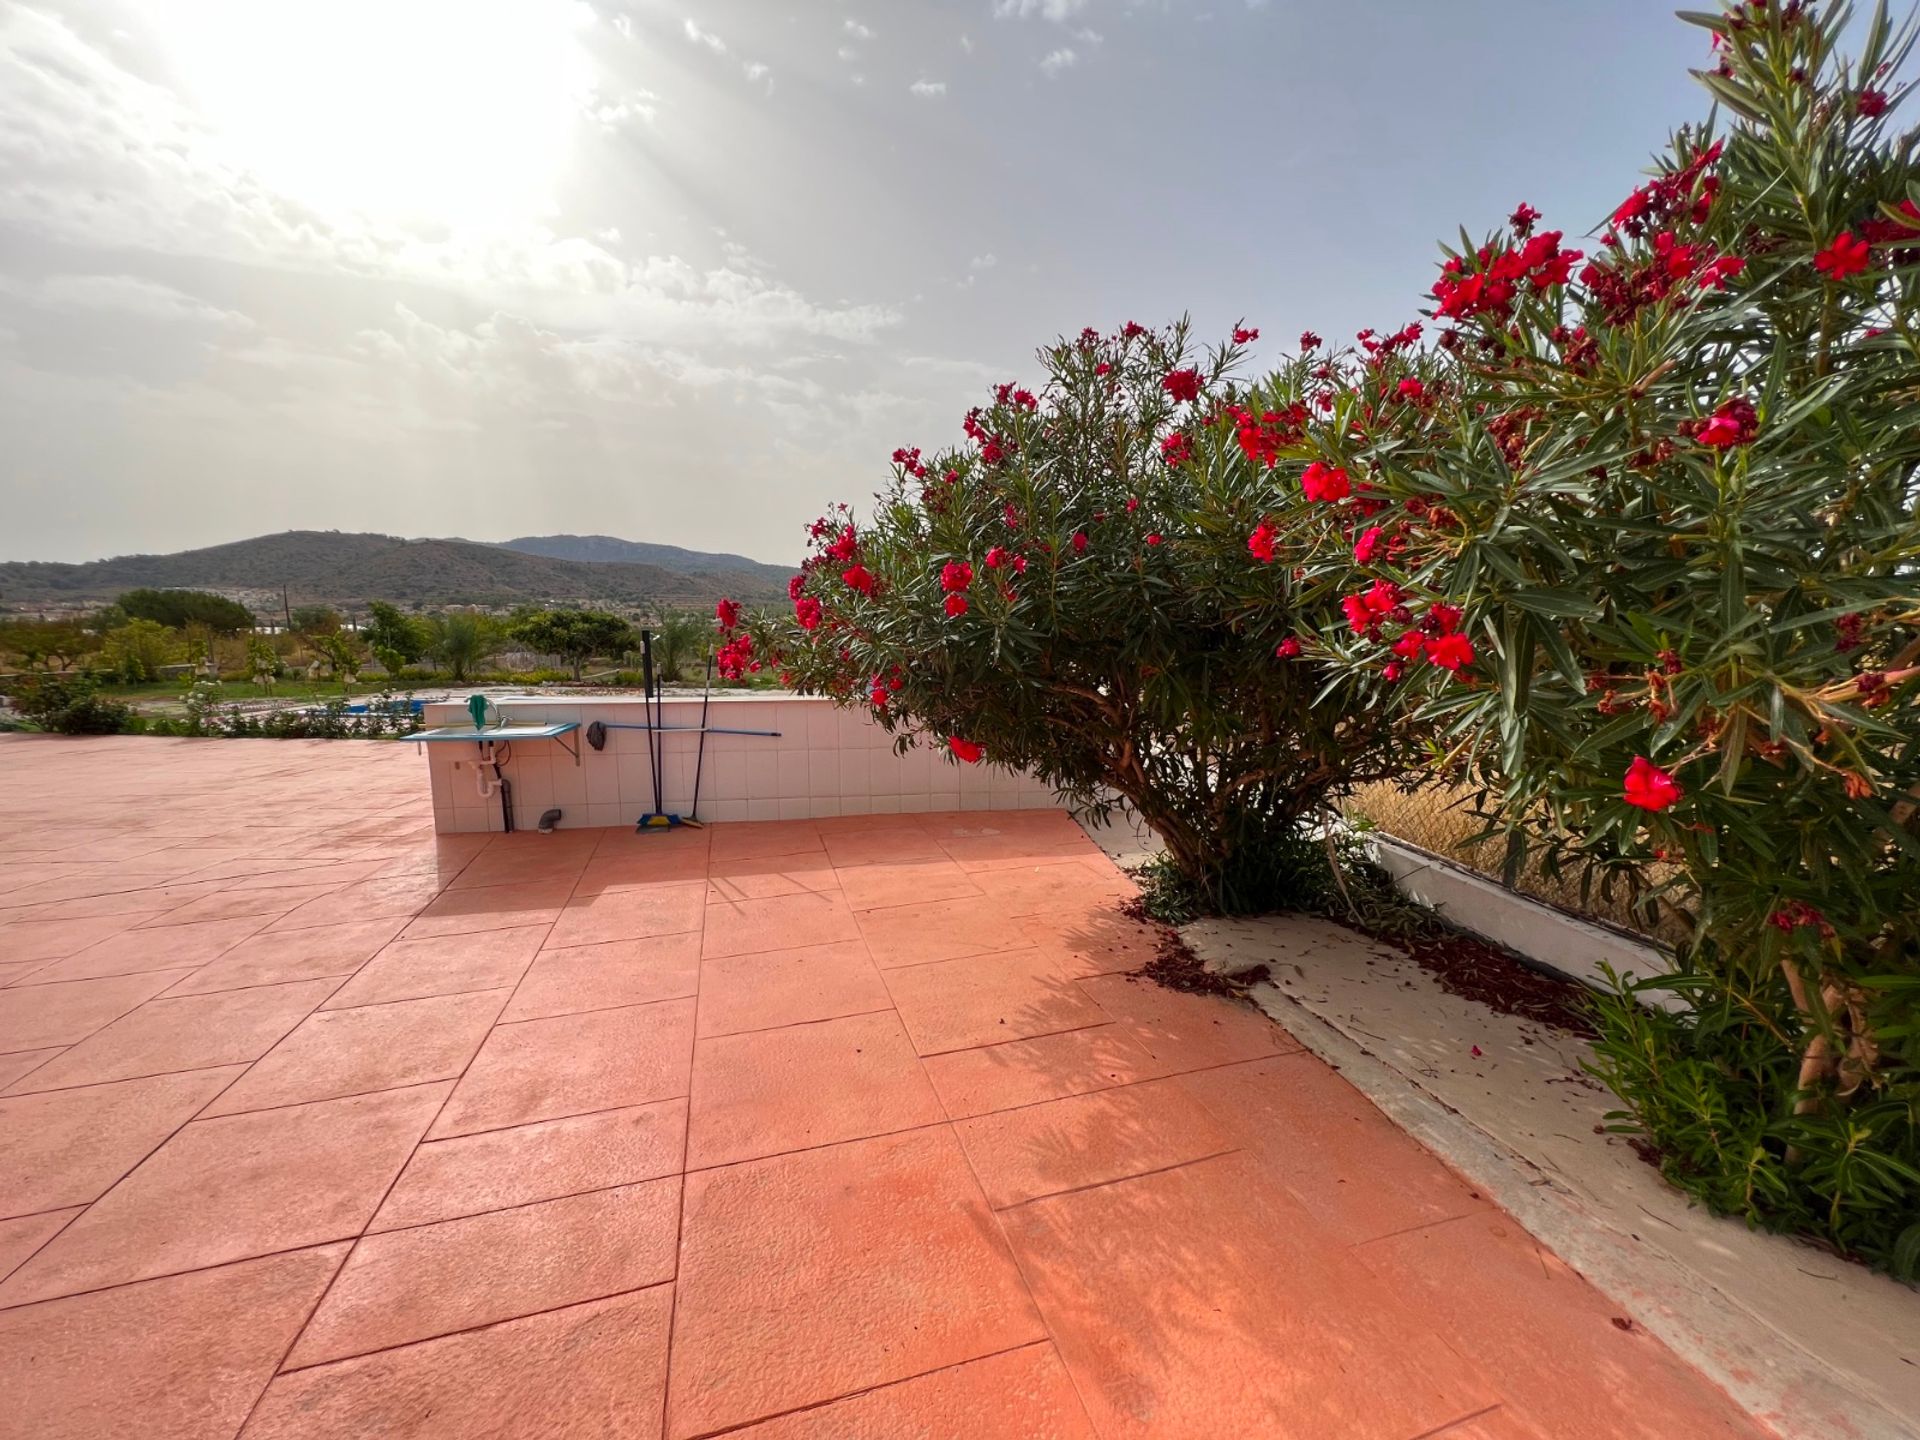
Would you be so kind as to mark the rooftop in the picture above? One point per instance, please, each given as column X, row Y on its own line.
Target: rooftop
column 314, row 1124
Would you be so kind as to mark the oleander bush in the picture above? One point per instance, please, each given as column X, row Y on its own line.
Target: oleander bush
column 1620, row 533
column 1668, row 487
column 1070, row 591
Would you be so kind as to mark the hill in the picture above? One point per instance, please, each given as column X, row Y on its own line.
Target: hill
column 328, row 566
column 610, row 549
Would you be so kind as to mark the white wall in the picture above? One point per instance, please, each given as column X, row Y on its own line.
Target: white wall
column 1554, row 938
column 826, row 761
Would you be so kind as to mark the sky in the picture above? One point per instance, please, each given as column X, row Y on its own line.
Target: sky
column 688, row 273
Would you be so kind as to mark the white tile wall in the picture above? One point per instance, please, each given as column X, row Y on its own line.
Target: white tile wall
column 825, row 761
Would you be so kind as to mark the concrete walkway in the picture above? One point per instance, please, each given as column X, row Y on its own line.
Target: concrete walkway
column 314, row 1125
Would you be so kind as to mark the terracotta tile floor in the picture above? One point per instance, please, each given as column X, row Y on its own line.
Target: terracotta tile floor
column 313, row 1124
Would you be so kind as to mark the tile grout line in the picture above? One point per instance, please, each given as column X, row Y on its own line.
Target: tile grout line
column 1006, row 1240
column 686, row 1142
column 453, row 1334
column 1115, row 1180
column 1120, row 1084
column 27, row 982
column 866, row 1390
column 1015, row 1040
column 1020, row 1270
column 374, row 1213
column 1439, row 1432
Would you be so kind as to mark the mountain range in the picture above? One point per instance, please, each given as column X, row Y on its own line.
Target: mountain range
column 340, row 568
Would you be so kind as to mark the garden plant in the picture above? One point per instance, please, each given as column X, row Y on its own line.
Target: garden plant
column 1620, row 533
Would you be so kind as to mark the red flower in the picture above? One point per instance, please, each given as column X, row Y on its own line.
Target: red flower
column 859, row 578
column 795, row 585
column 1288, row 648
column 1325, row 482
column 1736, row 422
column 1444, row 618
column 1412, row 389
column 996, row 557
column 956, row 605
column 966, row 750
column 1079, row 542
column 1847, row 255
column 1176, row 449
column 1133, row 503
column 1154, row 539
column 1715, row 273
column 1368, row 545
column 1358, row 615
column 878, row 695
column 1872, row 104
column 1244, row 336
column 735, row 658
column 727, row 612
column 1182, row 385
column 1261, row 542
column 956, row 575
column 1451, row 651
column 1649, row 787
column 1522, row 219
column 1019, row 564
column 909, row 461
column 1382, row 597
column 807, row 611
column 1392, row 670
column 1102, row 368
column 1309, row 340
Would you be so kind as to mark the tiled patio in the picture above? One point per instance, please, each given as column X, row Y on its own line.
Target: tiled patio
column 314, row 1125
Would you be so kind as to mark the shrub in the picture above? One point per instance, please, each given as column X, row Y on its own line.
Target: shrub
column 136, row 650
column 1071, row 592
column 1668, row 490
column 70, row 705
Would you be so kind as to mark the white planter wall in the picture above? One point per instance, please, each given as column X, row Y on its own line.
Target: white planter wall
column 826, row 761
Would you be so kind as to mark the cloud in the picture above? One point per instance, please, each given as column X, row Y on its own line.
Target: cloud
column 928, row 89
column 707, row 38
column 122, row 295
column 856, row 29
column 983, row 262
column 754, row 70
column 610, row 114
column 1058, row 11
column 96, row 158
column 966, row 44
column 1056, row 61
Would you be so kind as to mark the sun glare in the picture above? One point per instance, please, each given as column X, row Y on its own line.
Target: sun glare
column 433, row 112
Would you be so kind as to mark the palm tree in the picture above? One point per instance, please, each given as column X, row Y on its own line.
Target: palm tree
column 462, row 640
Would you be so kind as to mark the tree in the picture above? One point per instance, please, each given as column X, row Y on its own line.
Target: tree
column 35, row 642
column 178, row 609
column 680, row 639
column 462, row 640
column 576, row 636
column 396, row 639
column 342, row 651
column 263, row 661
column 1072, row 593
column 311, row 620
column 1671, row 494
column 137, row 650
